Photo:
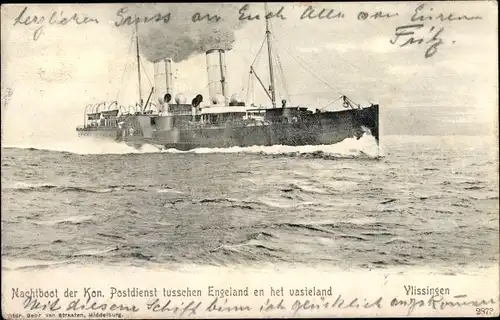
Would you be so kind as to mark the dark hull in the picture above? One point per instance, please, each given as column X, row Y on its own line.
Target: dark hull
column 315, row 129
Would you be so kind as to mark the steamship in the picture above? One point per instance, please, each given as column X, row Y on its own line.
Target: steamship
column 168, row 121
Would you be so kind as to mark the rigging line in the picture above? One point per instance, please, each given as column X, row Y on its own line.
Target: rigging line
column 278, row 62
column 310, row 71
column 309, row 66
column 307, row 69
column 282, row 75
column 242, row 82
column 305, row 66
column 252, row 87
column 210, row 82
column 304, row 62
column 350, row 65
column 325, row 81
column 258, row 53
column 144, row 68
column 248, row 87
column 352, row 101
column 253, row 90
column 279, row 81
column 330, row 103
column 261, row 83
column 124, row 70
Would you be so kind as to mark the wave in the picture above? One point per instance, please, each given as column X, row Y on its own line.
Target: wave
column 307, row 189
column 362, row 221
column 118, row 252
column 112, row 236
column 245, row 247
column 365, row 147
column 169, row 190
column 277, row 203
column 84, row 146
column 259, row 240
column 311, row 227
column 346, row 229
column 284, row 204
column 233, row 203
column 252, row 204
column 21, row 264
column 76, row 220
column 95, row 252
column 474, row 188
column 350, row 147
column 45, row 187
column 397, row 240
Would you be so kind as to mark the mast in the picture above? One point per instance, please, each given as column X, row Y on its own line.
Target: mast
column 138, row 64
column 271, row 72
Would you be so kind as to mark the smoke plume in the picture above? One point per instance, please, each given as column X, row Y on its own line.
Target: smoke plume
column 181, row 37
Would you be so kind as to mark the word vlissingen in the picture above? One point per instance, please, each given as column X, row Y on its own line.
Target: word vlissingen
column 423, row 291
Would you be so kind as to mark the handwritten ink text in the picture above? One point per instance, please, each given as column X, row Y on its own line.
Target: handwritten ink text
column 180, row 310
column 245, row 16
column 310, row 13
column 362, row 15
column 197, row 17
column 129, row 20
column 419, row 15
column 56, row 18
column 405, row 34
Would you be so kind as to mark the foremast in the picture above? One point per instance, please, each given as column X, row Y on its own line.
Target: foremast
column 269, row 56
column 271, row 90
column 138, row 65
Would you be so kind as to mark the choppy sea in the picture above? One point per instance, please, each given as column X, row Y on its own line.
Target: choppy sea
column 418, row 201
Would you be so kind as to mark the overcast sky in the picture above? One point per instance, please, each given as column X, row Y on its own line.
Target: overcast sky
column 47, row 82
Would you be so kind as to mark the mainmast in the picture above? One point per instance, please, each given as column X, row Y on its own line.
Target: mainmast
column 269, row 52
column 138, row 64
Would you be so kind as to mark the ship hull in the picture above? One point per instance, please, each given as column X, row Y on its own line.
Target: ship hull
column 323, row 128
column 99, row 133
